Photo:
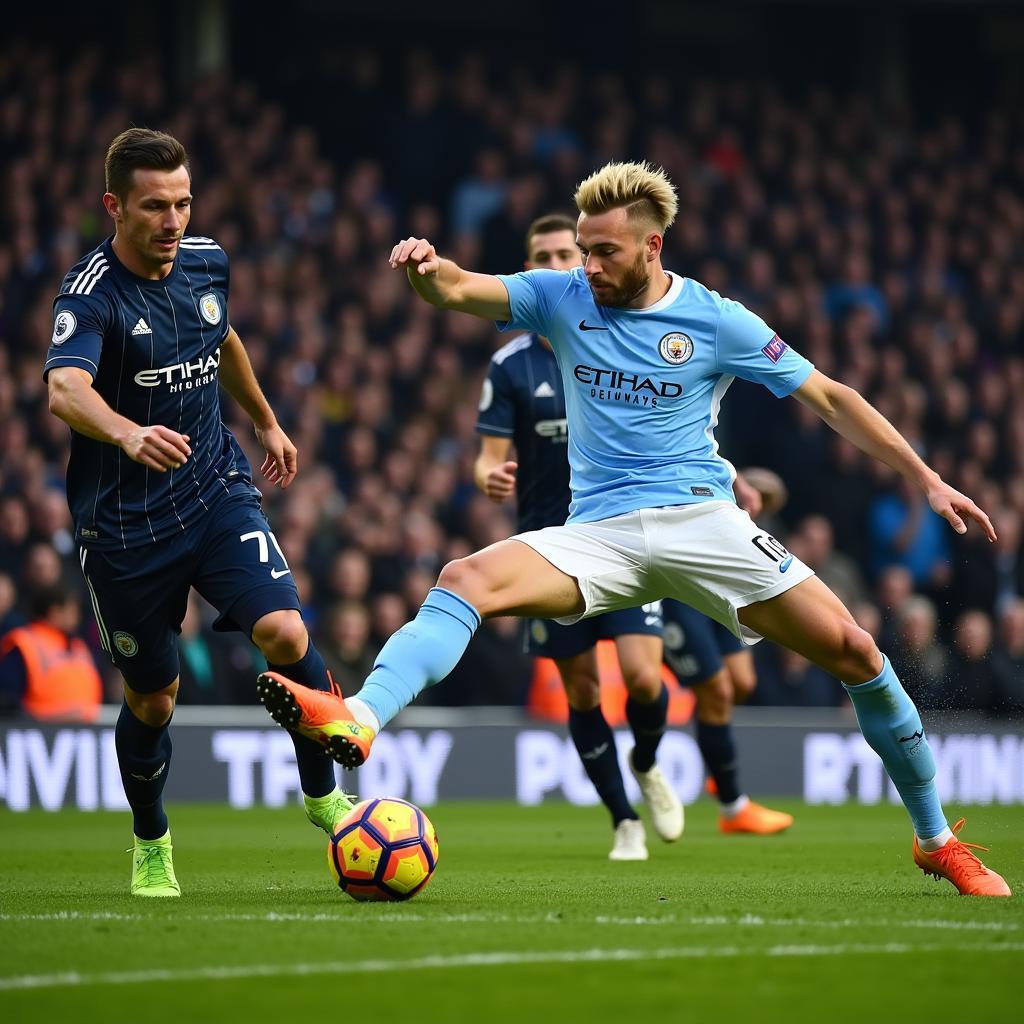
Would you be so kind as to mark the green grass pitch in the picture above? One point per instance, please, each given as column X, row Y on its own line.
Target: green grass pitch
column 526, row 920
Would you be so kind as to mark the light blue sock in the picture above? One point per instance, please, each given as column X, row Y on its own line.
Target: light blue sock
column 420, row 654
column 891, row 725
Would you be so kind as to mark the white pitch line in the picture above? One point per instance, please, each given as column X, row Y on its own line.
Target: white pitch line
column 403, row 918
column 506, row 958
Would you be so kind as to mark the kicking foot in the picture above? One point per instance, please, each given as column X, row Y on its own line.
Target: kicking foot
column 317, row 715
column 152, row 869
column 957, row 864
column 755, row 819
column 326, row 811
column 666, row 808
column 630, row 841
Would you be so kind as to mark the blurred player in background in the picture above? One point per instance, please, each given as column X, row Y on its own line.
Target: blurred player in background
column 646, row 357
column 719, row 668
column 523, row 403
column 160, row 492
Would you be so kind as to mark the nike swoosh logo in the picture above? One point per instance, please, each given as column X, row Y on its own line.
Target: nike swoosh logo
column 278, row 573
column 786, row 563
column 593, row 755
column 585, row 327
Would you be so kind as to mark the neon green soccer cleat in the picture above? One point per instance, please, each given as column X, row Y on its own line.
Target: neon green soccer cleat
column 326, row 811
column 152, row 869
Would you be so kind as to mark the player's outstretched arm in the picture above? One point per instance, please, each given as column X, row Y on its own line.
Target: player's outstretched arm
column 847, row 413
column 238, row 380
column 74, row 400
column 445, row 284
column 493, row 472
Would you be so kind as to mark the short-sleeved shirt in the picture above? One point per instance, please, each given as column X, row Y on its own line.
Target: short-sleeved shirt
column 643, row 386
column 153, row 351
column 523, row 400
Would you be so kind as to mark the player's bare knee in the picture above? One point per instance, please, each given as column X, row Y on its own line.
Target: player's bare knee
column 714, row 699
column 583, row 692
column 464, row 577
column 281, row 637
column 644, row 683
column 861, row 659
column 153, row 709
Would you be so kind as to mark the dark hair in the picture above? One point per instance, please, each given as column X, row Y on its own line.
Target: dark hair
column 42, row 599
column 548, row 223
column 141, row 148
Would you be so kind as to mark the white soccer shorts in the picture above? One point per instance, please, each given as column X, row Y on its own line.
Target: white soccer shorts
column 711, row 556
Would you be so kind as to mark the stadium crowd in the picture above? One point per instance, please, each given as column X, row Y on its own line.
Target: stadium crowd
column 884, row 244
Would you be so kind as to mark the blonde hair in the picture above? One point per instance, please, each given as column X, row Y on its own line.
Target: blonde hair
column 643, row 189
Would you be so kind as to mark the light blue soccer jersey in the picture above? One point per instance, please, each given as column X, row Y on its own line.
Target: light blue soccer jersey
column 643, row 386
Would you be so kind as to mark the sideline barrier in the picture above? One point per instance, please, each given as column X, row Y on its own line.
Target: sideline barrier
column 231, row 755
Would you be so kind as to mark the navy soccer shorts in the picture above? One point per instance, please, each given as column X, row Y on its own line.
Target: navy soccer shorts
column 694, row 643
column 139, row 595
column 548, row 639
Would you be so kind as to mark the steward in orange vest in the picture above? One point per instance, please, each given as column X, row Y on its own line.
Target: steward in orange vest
column 45, row 669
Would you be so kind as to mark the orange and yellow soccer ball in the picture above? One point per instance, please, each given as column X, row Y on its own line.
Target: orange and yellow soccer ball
column 383, row 849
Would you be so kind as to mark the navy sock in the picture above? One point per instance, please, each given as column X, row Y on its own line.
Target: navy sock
column 648, row 723
column 316, row 769
column 718, row 748
column 595, row 744
column 144, row 757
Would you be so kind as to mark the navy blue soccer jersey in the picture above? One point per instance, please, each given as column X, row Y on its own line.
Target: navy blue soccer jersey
column 153, row 351
column 523, row 400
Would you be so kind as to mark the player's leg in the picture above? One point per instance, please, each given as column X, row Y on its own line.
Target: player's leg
column 638, row 643
column 743, row 814
column 560, row 572
column 507, row 578
column 812, row 621
column 138, row 598
column 291, row 654
column 595, row 742
column 242, row 572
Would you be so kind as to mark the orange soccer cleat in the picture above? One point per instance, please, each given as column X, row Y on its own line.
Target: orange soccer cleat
column 756, row 820
column 320, row 716
column 957, row 864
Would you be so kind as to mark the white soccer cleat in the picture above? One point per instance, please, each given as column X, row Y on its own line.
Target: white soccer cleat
column 630, row 841
column 666, row 808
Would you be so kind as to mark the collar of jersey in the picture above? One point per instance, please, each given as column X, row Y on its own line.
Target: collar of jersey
column 143, row 282
column 674, row 291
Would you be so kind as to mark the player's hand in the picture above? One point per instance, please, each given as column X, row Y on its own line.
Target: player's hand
column 157, row 447
column 417, row 255
column 955, row 508
column 282, row 461
column 501, row 482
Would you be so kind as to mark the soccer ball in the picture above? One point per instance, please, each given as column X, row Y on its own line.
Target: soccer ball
column 383, row 849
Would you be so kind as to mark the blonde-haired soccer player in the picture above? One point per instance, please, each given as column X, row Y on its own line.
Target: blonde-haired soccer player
column 646, row 356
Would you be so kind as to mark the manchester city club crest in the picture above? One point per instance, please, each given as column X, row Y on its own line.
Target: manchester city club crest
column 125, row 643
column 209, row 306
column 63, row 326
column 676, row 348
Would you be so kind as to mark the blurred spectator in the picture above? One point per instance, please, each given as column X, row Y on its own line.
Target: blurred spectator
column 1008, row 660
column 813, row 543
column 906, row 532
column 920, row 660
column 344, row 642
column 45, row 670
column 972, row 683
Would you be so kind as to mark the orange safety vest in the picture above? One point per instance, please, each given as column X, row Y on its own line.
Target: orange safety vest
column 61, row 678
column 547, row 699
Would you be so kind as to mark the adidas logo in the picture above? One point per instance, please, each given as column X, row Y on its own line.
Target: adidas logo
column 544, row 390
column 142, row 327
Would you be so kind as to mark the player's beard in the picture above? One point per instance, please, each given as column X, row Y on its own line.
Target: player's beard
column 634, row 281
